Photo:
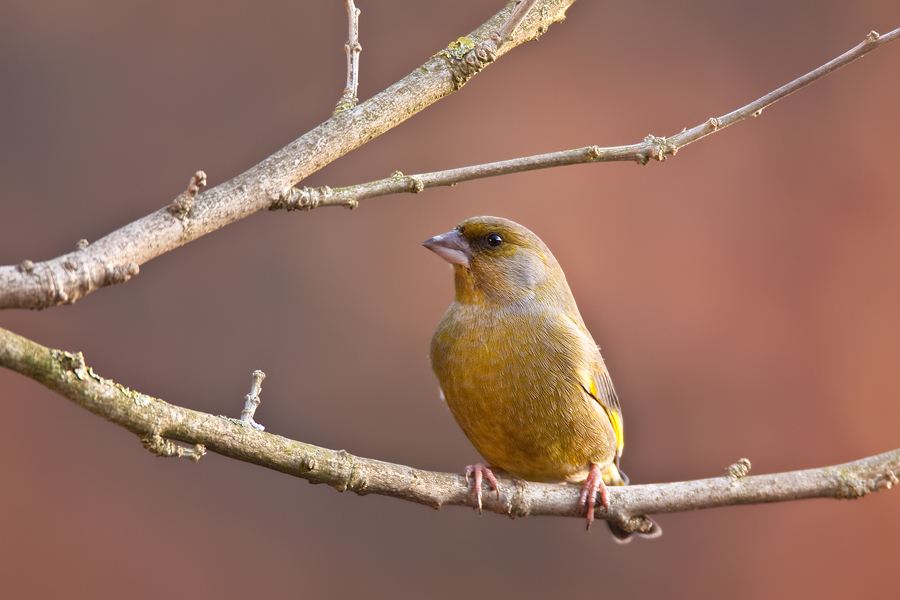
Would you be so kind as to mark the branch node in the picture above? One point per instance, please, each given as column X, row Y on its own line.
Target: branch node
column 309, row 463
column 198, row 182
column 738, row 470
column 873, row 36
column 852, row 488
column 303, row 199
column 466, row 58
column 517, row 504
column 82, row 244
column 713, row 124
column 657, row 148
column 252, row 400
column 181, row 206
column 121, row 273
column 416, row 185
column 356, row 480
column 545, row 16
column 71, row 361
column 198, row 451
column 346, row 102
column 593, row 152
column 159, row 446
column 70, row 264
column 26, row 266
column 641, row 525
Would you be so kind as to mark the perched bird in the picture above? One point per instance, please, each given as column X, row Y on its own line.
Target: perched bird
column 518, row 368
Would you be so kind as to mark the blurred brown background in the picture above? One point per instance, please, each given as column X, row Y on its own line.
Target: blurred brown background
column 745, row 293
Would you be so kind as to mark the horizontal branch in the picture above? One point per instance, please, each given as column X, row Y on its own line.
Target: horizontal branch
column 652, row 147
column 156, row 421
column 118, row 256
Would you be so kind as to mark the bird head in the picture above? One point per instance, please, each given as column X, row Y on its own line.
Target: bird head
column 497, row 260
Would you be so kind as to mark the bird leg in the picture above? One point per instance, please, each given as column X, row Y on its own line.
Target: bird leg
column 480, row 472
column 592, row 486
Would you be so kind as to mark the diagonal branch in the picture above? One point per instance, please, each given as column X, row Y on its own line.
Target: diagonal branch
column 118, row 256
column 652, row 147
column 156, row 421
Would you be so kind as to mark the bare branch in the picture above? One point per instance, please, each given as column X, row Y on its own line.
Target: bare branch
column 349, row 99
column 651, row 148
column 156, row 422
column 117, row 256
column 308, row 198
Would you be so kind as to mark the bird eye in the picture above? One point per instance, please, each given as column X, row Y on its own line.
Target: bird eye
column 494, row 239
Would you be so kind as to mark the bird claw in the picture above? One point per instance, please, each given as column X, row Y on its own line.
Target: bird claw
column 481, row 472
column 592, row 486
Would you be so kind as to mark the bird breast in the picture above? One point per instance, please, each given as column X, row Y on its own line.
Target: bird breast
column 511, row 378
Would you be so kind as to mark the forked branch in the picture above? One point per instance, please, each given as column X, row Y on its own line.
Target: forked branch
column 118, row 256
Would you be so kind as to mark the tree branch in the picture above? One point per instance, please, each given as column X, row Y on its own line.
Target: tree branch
column 652, row 147
column 156, row 422
column 270, row 184
column 118, row 256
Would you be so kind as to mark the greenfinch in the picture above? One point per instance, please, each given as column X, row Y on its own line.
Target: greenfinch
column 518, row 368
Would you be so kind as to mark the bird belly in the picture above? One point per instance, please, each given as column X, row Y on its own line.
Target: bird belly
column 519, row 401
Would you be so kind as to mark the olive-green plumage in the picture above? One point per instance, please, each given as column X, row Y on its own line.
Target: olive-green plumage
column 516, row 364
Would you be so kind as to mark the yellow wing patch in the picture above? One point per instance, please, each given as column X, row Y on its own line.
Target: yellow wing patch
column 616, row 420
column 595, row 380
column 605, row 395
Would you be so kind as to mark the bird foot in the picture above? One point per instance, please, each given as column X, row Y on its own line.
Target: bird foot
column 592, row 486
column 481, row 472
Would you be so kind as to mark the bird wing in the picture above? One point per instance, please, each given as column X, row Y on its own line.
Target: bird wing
column 601, row 389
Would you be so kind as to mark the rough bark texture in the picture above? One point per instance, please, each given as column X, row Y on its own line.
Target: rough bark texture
column 155, row 421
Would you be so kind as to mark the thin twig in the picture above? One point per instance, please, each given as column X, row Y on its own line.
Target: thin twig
column 157, row 421
column 349, row 99
column 651, row 148
column 252, row 400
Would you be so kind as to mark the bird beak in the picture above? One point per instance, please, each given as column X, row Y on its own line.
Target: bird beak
column 451, row 247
